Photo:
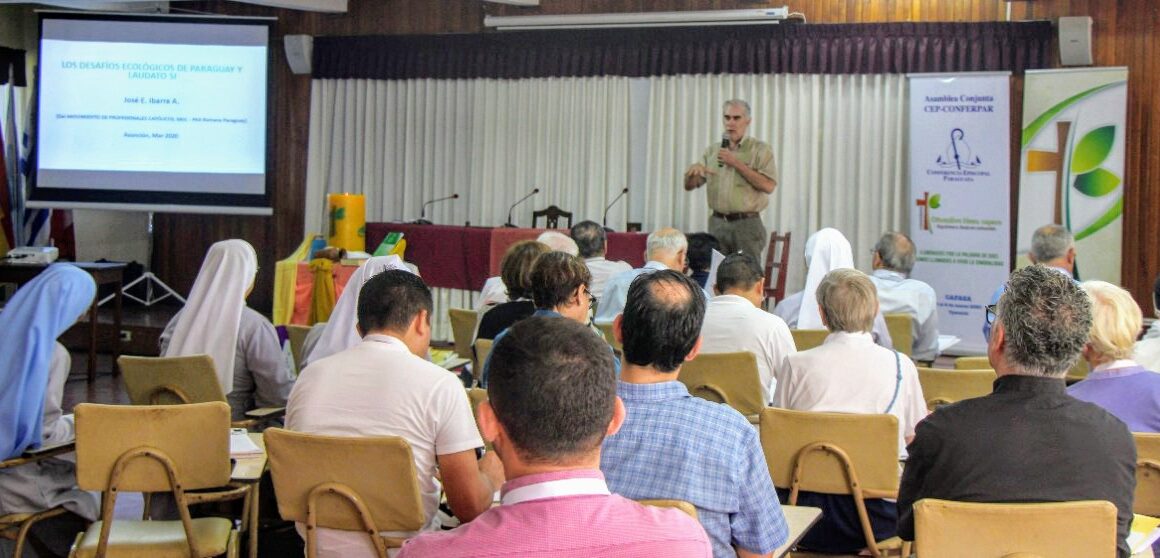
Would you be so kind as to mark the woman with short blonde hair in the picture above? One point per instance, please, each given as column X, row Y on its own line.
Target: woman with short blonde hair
column 1116, row 382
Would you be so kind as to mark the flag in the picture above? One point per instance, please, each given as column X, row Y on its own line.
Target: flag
column 7, row 241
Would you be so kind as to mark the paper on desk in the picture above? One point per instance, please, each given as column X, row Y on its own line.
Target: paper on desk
column 241, row 445
column 947, row 341
column 1145, row 530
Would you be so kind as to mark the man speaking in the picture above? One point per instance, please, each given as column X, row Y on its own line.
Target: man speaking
column 740, row 172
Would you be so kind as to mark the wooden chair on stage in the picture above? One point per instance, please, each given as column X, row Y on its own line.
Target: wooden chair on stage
column 776, row 259
column 551, row 215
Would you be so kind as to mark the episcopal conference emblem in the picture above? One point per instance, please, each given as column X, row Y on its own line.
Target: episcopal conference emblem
column 958, row 154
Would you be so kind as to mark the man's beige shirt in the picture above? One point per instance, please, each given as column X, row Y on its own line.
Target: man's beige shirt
column 728, row 191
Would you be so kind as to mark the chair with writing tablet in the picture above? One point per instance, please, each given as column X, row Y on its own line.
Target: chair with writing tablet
column 805, row 339
column 729, row 378
column 835, row 453
column 365, row 484
column 901, row 328
column 941, row 386
column 181, row 380
column 947, row 529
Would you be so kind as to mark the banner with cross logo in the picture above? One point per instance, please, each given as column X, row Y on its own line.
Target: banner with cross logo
column 1072, row 169
column 959, row 199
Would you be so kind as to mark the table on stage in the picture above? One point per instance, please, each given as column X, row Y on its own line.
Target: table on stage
column 464, row 257
column 103, row 274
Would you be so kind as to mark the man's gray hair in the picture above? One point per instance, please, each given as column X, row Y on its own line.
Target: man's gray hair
column 1046, row 320
column 666, row 240
column 896, row 251
column 739, row 104
column 1050, row 242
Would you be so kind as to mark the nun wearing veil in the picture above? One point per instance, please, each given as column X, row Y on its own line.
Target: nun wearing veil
column 338, row 333
column 33, row 372
column 826, row 250
column 243, row 344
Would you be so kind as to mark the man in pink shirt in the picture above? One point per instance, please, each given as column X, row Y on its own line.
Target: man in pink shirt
column 552, row 400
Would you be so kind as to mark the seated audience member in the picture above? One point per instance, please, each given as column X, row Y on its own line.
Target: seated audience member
column 384, row 386
column 665, row 249
column 1029, row 441
column 1052, row 246
column 898, row 293
column 242, row 343
column 825, row 251
column 848, row 373
column 494, row 290
column 340, row 332
column 516, row 270
column 734, row 320
column 556, row 502
column 33, row 371
column 1147, row 350
column 592, row 242
column 701, row 246
column 1116, row 382
column 676, row 446
column 559, row 290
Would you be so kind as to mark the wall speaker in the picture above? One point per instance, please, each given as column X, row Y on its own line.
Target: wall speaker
column 1075, row 41
column 299, row 52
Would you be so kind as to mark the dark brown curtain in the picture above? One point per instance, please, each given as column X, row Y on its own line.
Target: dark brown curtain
column 12, row 63
column 758, row 49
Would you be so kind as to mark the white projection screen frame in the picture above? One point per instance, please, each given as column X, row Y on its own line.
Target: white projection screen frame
column 152, row 113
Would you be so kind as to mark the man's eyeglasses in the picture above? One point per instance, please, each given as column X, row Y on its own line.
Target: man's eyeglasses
column 992, row 313
column 591, row 297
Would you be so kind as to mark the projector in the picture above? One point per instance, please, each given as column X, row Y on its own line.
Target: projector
column 35, row 255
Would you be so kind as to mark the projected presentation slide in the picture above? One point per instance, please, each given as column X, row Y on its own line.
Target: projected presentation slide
column 151, row 105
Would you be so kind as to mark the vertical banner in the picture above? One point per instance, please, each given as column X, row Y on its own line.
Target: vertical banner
column 960, row 172
column 1073, row 163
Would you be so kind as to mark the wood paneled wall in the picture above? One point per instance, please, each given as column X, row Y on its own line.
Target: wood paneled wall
column 1125, row 34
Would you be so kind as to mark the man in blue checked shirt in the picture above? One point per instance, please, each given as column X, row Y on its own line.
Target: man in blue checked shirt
column 676, row 446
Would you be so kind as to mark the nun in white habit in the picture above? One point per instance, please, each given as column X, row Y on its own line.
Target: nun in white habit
column 826, row 250
column 339, row 334
column 243, row 344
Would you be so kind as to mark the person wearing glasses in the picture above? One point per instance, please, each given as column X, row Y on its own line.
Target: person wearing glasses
column 1029, row 440
column 741, row 174
column 1053, row 246
column 559, row 290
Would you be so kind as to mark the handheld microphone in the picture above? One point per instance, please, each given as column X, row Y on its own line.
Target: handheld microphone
column 521, row 200
column 724, row 145
column 423, row 210
column 604, row 222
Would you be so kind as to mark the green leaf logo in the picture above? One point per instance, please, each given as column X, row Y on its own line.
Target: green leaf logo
column 1091, row 151
column 935, row 201
column 1097, row 183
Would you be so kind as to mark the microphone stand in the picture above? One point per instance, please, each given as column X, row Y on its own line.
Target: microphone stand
column 512, row 208
column 423, row 210
column 604, row 221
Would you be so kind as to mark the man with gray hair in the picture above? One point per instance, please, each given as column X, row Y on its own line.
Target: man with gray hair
column 592, row 242
column 898, row 293
column 1028, row 441
column 1052, row 246
column 665, row 249
column 741, row 174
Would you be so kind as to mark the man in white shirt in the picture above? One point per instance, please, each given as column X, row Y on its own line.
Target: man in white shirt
column 898, row 293
column 734, row 320
column 385, row 387
column 592, row 242
column 665, row 249
column 848, row 373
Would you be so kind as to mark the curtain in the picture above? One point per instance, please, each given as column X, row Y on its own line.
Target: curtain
column 644, row 52
column 839, row 141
